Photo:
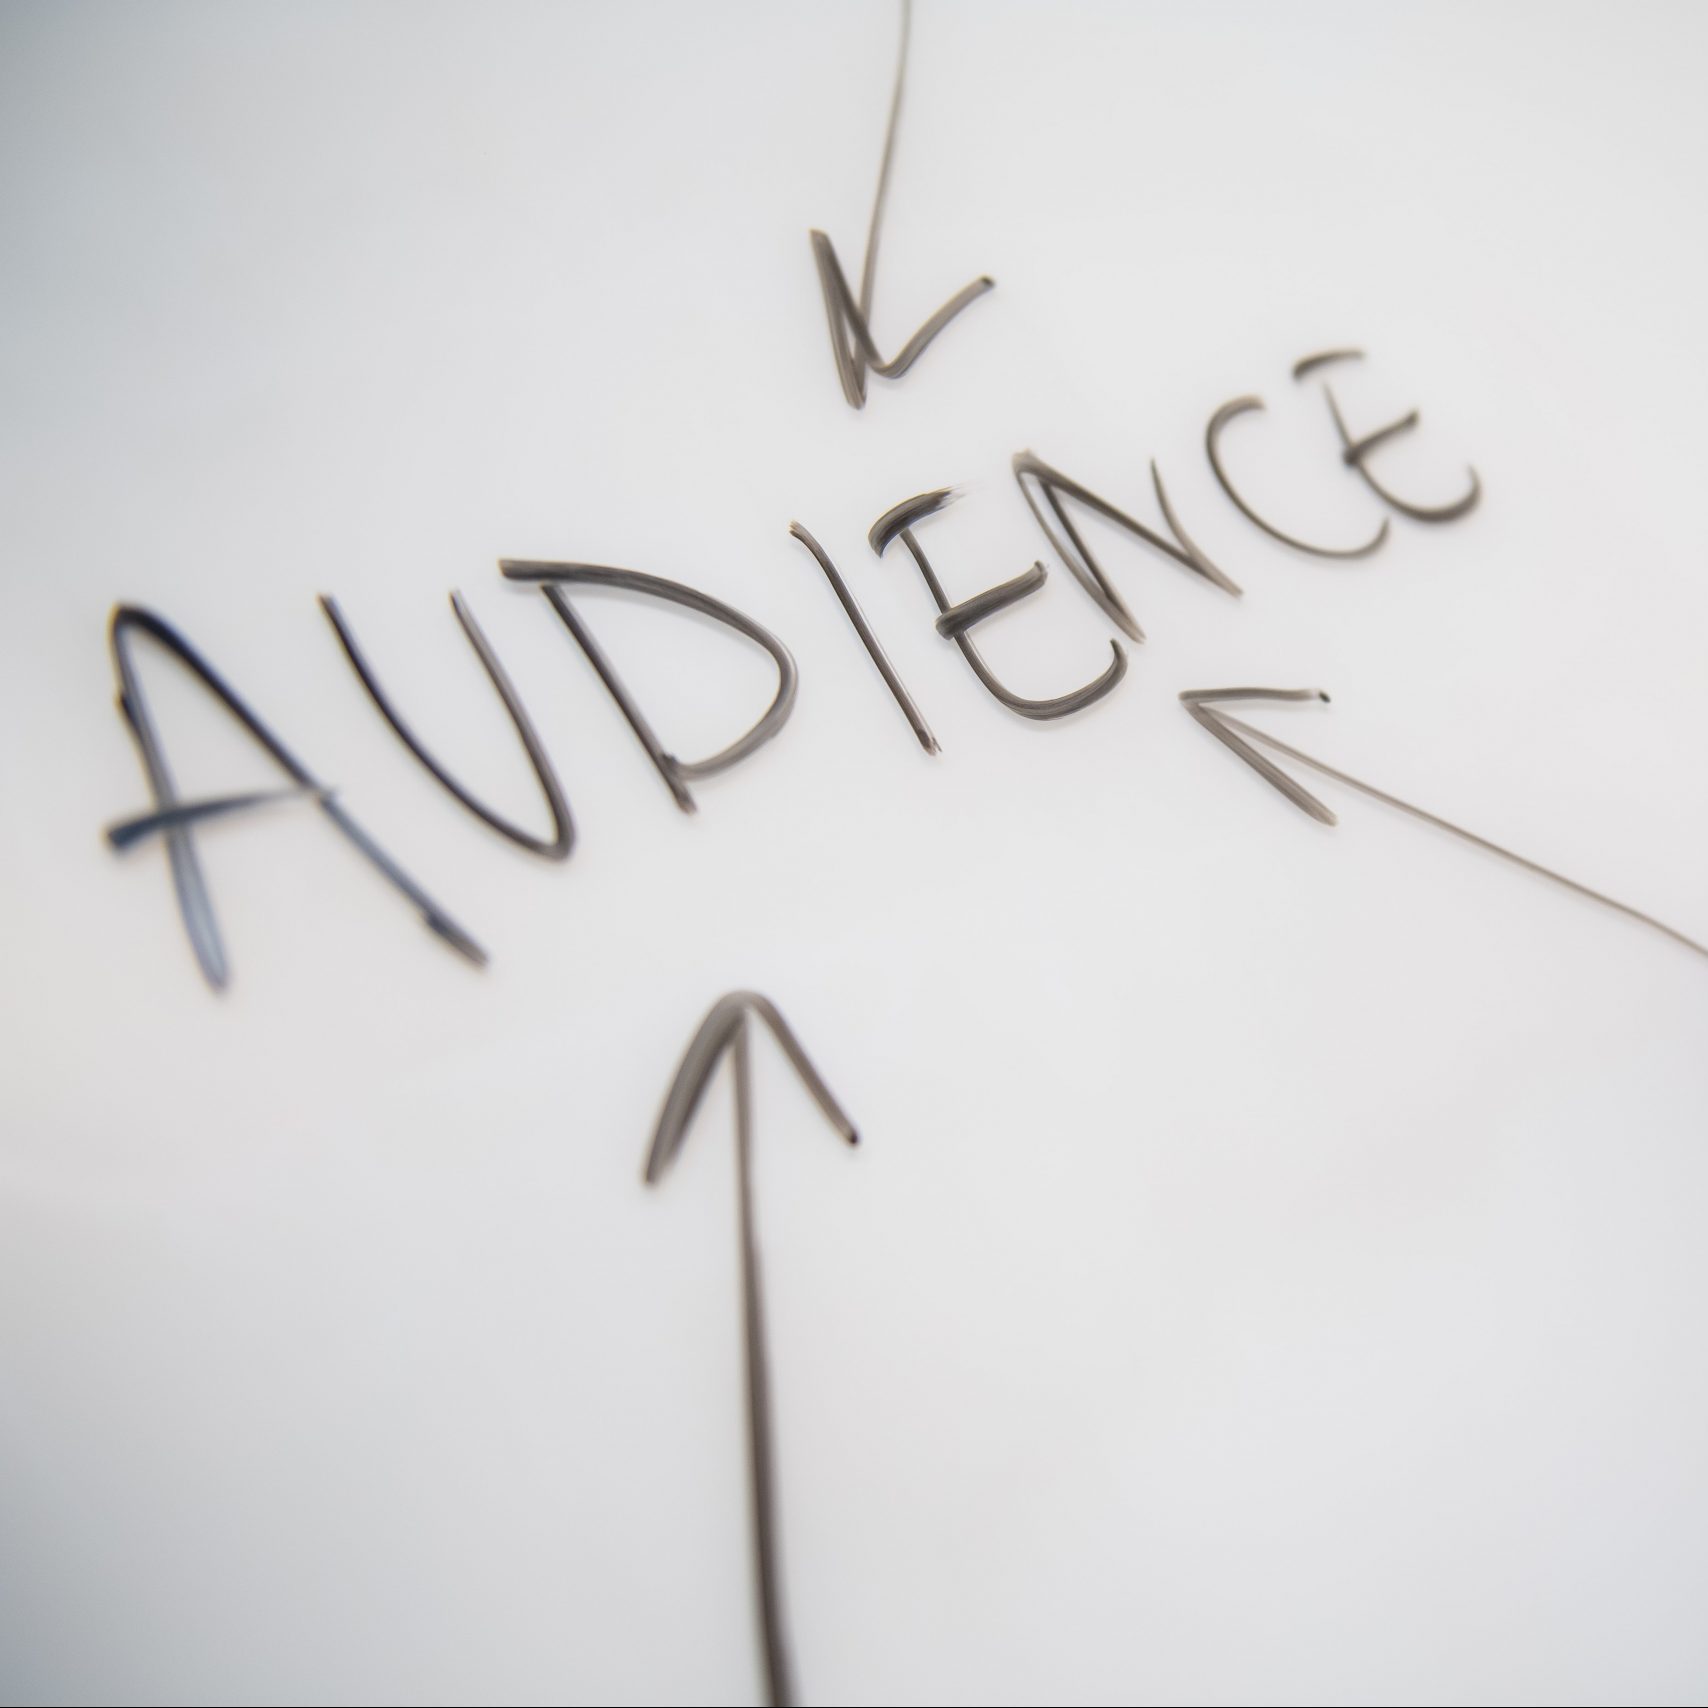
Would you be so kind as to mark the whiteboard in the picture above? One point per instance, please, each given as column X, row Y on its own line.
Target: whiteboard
column 1271, row 1269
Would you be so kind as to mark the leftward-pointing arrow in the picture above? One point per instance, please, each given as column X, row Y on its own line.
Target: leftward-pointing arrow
column 726, row 1028
column 1237, row 735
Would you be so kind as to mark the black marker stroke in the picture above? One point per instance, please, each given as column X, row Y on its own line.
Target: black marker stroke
column 874, row 647
column 128, row 833
column 555, row 577
column 954, row 621
column 850, row 318
column 1237, row 735
column 726, row 1027
column 562, row 839
column 1355, row 453
column 1053, row 485
column 194, row 901
column 1212, row 449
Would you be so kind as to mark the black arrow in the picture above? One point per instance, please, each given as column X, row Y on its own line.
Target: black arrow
column 726, row 1028
column 1238, row 736
column 850, row 319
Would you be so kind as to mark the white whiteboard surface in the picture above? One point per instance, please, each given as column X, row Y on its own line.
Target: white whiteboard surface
column 1273, row 1266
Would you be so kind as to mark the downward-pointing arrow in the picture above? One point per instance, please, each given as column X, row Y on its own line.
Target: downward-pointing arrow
column 1238, row 736
column 726, row 1028
column 850, row 318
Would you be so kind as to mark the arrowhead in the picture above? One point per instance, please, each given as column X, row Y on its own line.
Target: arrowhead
column 718, row 1031
column 1198, row 702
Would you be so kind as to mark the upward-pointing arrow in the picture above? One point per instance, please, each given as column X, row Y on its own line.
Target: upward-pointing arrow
column 726, row 1028
column 1232, row 732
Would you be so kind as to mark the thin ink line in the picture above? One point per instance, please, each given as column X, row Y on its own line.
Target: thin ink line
column 727, row 1027
column 869, row 268
column 874, row 647
column 954, row 621
column 761, row 1462
column 1212, row 449
column 195, row 904
column 849, row 317
column 1355, row 452
column 126, row 833
column 562, row 839
column 1071, row 547
column 676, row 773
column 1322, row 359
column 957, row 619
column 1452, row 829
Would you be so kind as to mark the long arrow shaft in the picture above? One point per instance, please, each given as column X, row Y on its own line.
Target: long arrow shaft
column 869, row 265
column 1464, row 835
column 779, row 1681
